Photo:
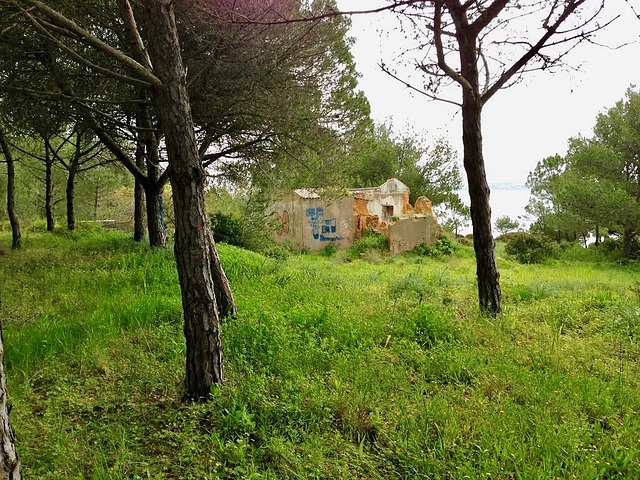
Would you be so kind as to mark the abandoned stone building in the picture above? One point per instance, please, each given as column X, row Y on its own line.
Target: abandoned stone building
column 314, row 218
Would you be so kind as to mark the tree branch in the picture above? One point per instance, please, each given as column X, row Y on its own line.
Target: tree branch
column 331, row 14
column 437, row 37
column 569, row 8
column 417, row 90
column 79, row 58
column 95, row 42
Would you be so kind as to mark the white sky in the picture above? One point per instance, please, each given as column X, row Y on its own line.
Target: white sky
column 521, row 125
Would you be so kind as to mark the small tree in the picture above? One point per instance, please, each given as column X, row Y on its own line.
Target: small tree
column 505, row 224
column 11, row 188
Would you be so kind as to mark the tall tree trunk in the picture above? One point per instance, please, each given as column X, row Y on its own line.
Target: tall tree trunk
column 71, row 185
column 193, row 237
column 627, row 238
column 152, row 187
column 9, row 461
column 11, row 191
column 139, row 230
column 489, row 292
column 597, row 234
column 48, row 196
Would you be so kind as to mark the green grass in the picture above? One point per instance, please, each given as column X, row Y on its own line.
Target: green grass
column 335, row 368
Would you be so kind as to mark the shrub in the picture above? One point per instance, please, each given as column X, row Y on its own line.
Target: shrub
column 330, row 250
column 529, row 248
column 444, row 246
column 433, row 326
column 227, row 229
column 464, row 241
column 612, row 248
column 369, row 242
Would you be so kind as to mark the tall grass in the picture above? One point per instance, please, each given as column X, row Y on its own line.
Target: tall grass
column 335, row 367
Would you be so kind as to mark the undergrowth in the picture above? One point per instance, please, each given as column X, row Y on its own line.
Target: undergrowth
column 334, row 369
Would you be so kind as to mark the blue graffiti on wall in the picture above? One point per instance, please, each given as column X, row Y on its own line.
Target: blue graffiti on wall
column 323, row 230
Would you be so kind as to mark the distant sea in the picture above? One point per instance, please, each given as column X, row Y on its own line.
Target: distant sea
column 506, row 199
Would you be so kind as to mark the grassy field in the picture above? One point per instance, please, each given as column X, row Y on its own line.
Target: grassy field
column 375, row 368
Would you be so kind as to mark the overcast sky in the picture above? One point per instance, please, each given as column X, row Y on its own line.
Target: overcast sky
column 522, row 124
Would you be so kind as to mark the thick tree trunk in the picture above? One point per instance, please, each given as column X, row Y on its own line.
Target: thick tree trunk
column 71, row 214
column 193, row 237
column 48, row 195
column 627, row 238
column 11, row 191
column 9, row 461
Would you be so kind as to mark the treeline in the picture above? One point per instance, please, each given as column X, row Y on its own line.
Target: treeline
column 275, row 108
column 594, row 190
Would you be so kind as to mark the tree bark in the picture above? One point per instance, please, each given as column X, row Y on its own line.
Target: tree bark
column 71, row 184
column 193, row 237
column 139, row 230
column 224, row 296
column 152, row 187
column 11, row 191
column 489, row 293
column 9, row 461
column 48, row 196
column 155, row 216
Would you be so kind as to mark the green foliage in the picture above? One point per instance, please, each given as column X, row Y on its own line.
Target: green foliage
column 330, row 250
column 596, row 186
column 505, row 224
column 370, row 242
column 433, row 327
column 333, row 369
column 227, row 229
column 529, row 248
column 443, row 246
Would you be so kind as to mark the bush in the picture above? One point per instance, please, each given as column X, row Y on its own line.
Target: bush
column 444, row 246
column 528, row 248
column 227, row 229
column 369, row 242
column 330, row 250
column 612, row 248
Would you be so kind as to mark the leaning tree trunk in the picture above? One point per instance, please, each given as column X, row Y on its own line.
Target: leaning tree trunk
column 9, row 461
column 11, row 191
column 193, row 237
column 224, row 296
column 48, row 195
column 489, row 292
column 71, row 185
